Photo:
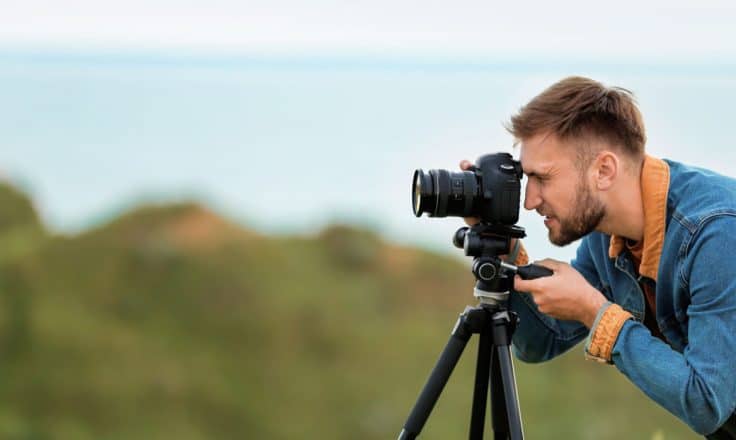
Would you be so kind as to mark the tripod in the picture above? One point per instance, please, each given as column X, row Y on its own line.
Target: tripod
column 495, row 324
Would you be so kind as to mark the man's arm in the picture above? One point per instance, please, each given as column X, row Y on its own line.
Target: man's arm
column 540, row 337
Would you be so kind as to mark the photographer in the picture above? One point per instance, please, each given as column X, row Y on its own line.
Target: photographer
column 652, row 288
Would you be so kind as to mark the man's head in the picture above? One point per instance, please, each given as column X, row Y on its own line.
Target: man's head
column 577, row 138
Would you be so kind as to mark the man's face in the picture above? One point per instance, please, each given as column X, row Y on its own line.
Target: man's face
column 558, row 190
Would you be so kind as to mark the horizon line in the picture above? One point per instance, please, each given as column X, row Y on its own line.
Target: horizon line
column 355, row 60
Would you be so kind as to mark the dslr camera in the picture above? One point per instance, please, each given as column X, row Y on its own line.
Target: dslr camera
column 490, row 190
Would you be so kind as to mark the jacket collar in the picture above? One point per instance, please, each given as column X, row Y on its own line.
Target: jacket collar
column 655, row 182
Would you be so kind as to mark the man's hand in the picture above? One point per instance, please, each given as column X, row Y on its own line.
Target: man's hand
column 564, row 295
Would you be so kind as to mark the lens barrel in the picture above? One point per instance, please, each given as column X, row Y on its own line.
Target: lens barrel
column 441, row 193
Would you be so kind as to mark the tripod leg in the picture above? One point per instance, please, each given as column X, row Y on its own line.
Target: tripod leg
column 480, row 391
column 510, row 393
column 500, row 421
column 440, row 374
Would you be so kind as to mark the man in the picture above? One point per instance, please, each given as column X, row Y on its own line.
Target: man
column 653, row 285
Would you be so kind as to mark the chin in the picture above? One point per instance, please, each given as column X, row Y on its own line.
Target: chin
column 558, row 240
column 553, row 238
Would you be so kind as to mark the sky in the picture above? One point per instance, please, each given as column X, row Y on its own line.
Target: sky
column 289, row 115
column 670, row 29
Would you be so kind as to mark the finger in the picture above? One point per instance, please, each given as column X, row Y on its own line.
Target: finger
column 465, row 164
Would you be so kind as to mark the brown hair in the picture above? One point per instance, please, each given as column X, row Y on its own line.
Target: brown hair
column 582, row 110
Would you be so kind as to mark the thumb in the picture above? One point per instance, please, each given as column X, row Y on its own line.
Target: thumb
column 549, row 263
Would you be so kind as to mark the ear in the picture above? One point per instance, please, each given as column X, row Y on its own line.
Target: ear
column 605, row 169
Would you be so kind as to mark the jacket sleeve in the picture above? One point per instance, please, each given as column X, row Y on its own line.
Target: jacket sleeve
column 539, row 337
column 698, row 385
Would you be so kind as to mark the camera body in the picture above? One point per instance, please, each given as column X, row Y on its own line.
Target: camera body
column 490, row 190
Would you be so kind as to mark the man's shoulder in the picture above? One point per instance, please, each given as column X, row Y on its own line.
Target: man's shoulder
column 696, row 195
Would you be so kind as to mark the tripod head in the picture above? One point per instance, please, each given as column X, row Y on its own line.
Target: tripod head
column 494, row 277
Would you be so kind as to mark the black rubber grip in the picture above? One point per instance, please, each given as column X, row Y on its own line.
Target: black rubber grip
column 532, row 271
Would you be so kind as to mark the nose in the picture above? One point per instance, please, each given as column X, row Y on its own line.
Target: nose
column 532, row 198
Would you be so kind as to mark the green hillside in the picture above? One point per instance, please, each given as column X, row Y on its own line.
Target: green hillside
column 170, row 322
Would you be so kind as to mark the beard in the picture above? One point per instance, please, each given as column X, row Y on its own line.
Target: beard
column 587, row 213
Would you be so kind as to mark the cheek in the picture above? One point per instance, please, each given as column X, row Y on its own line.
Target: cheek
column 560, row 201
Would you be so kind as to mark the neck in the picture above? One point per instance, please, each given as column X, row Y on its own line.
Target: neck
column 624, row 209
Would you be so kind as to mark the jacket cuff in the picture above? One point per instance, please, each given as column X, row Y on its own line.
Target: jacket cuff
column 611, row 317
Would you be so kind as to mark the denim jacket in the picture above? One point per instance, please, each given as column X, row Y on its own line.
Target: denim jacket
column 693, row 374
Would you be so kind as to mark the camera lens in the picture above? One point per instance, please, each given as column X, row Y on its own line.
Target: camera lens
column 441, row 193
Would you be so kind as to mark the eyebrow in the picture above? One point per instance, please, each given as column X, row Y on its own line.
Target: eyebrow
column 544, row 169
column 537, row 174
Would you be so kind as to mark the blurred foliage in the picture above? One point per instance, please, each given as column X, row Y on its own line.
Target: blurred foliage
column 171, row 322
